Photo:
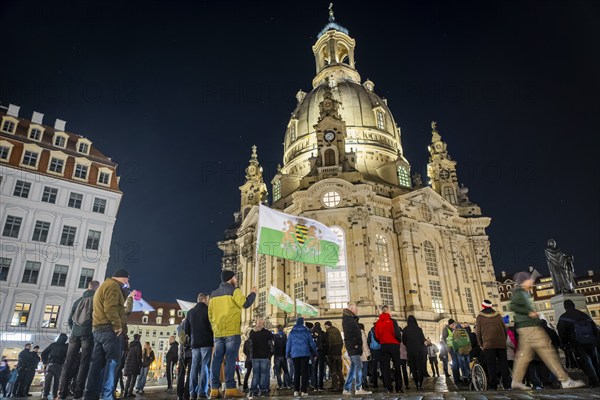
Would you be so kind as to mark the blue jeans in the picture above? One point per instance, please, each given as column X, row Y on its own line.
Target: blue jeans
column 354, row 374
column 463, row 361
column 260, row 375
column 455, row 365
column 141, row 383
column 200, row 367
column 279, row 363
column 105, row 356
column 225, row 347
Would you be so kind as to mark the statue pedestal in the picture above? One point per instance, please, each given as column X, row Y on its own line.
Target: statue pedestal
column 557, row 303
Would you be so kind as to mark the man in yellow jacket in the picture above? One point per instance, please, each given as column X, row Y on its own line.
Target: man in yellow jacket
column 225, row 315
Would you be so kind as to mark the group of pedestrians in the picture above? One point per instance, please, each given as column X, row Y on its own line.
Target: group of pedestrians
column 17, row 382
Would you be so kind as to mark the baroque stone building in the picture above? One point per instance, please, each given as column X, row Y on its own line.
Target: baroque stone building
column 421, row 249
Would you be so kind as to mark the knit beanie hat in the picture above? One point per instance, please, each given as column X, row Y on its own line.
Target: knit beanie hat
column 121, row 273
column 486, row 304
column 521, row 277
column 226, row 275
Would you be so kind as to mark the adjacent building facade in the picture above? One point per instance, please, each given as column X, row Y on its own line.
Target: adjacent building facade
column 421, row 249
column 543, row 289
column 59, row 197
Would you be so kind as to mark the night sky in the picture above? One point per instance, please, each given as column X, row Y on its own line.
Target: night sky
column 176, row 92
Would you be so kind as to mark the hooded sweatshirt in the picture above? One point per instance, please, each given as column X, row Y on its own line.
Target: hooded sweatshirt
column 56, row 353
column 490, row 329
column 387, row 330
column 413, row 337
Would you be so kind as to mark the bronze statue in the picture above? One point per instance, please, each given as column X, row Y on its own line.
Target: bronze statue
column 561, row 268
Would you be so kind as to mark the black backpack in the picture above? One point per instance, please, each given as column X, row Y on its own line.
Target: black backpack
column 585, row 331
column 82, row 315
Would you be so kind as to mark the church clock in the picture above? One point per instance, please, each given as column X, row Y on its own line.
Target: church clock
column 329, row 136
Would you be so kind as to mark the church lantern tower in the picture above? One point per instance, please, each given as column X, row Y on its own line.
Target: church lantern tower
column 254, row 191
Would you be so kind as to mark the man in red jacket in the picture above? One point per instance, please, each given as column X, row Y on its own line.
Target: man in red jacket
column 389, row 335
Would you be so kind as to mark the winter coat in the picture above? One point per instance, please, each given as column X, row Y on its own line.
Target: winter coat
column 521, row 306
column 261, row 343
column 352, row 333
column 413, row 337
column 566, row 329
column 173, row 353
column 33, row 361
column 432, row 350
column 300, row 342
column 279, row 344
column 133, row 362
column 365, row 349
column 56, row 353
column 225, row 309
column 197, row 326
column 387, row 330
column 147, row 359
column 333, row 341
column 490, row 330
column 319, row 337
column 4, row 372
column 109, row 306
column 84, row 330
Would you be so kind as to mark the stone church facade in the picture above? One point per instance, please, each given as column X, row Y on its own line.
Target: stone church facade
column 420, row 249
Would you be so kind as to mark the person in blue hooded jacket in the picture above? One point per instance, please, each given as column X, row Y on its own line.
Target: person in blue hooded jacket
column 300, row 347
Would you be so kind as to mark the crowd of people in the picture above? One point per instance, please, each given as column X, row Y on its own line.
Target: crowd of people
column 98, row 355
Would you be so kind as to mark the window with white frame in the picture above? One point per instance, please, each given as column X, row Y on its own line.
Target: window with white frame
column 81, row 171
column 380, row 119
column 21, row 314
column 12, row 226
column 8, row 126
column 75, row 200
column 83, row 147
column 4, row 268
column 338, row 293
column 299, row 290
column 99, row 205
column 93, row 240
column 86, row 276
column 22, row 189
column 67, row 237
column 40, row 231
column 5, row 152
column 430, row 258
column 31, row 272
column 56, row 165
column 60, row 141
column 104, row 177
column 49, row 195
column 404, row 176
column 385, row 291
column 262, row 272
column 59, row 277
column 469, row 300
column 437, row 302
column 50, row 316
column 331, row 199
column 35, row 134
column 382, row 259
column 30, row 158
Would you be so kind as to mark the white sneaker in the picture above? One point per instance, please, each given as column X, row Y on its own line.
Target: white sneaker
column 572, row 384
column 519, row 386
column 296, row 394
column 304, row 394
column 347, row 392
column 361, row 391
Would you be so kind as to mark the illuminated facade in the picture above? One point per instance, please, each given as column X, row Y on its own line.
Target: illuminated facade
column 422, row 250
column 59, row 197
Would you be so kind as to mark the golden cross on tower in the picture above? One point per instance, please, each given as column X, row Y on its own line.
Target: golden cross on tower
column 331, row 17
column 433, row 125
column 253, row 151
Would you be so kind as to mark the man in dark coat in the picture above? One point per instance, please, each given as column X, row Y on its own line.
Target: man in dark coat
column 82, row 339
column 133, row 365
column 198, row 328
column 414, row 340
column 319, row 367
column 34, row 360
column 172, row 357
column 586, row 348
column 279, row 359
column 22, row 369
column 334, row 344
column 53, row 358
column 354, row 347
column 185, row 363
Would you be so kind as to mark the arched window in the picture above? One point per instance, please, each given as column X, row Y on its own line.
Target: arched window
column 463, row 268
column 382, row 259
column 430, row 258
column 450, row 194
column 380, row 119
column 329, row 157
column 292, row 132
column 337, row 279
column 404, row 176
column 276, row 191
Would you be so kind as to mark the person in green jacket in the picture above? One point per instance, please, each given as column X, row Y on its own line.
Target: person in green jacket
column 533, row 339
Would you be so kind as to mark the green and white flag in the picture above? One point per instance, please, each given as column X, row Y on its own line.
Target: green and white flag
column 303, row 308
column 280, row 300
column 296, row 238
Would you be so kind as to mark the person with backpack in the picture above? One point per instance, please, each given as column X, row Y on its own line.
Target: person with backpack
column 461, row 343
column 319, row 337
column 532, row 337
column 81, row 344
column 53, row 358
column 447, row 337
column 577, row 330
column 334, row 344
column 148, row 358
column 375, row 349
column 300, row 348
column 133, row 365
column 279, row 359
